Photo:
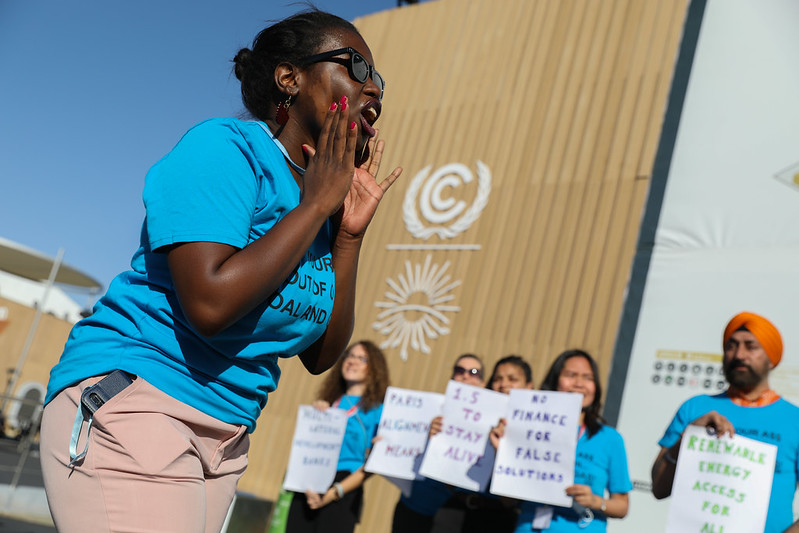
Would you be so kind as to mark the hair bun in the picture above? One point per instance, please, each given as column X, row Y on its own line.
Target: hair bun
column 242, row 62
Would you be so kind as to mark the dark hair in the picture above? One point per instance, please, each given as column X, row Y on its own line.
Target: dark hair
column 470, row 356
column 377, row 380
column 593, row 419
column 513, row 360
column 289, row 41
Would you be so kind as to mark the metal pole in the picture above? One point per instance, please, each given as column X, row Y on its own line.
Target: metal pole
column 12, row 382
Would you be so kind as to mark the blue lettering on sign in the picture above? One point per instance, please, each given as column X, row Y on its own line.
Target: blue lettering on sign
column 316, row 461
column 529, row 473
column 461, row 455
column 535, row 454
column 556, row 419
column 403, row 451
column 405, row 400
column 321, row 428
column 463, row 434
column 405, row 425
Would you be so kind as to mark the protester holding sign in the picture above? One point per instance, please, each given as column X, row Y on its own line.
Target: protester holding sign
column 483, row 511
column 356, row 384
column 414, row 512
column 749, row 407
column 722, row 483
column 601, row 462
column 511, row 372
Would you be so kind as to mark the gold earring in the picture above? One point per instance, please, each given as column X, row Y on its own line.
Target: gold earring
column 282, row 115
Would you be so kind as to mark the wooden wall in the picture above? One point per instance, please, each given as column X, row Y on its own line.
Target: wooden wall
column 563, row 102
column 45, row 349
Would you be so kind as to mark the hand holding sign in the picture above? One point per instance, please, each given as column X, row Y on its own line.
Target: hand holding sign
column 721, row 483
column 456, row 455
column 315, row 449
column 535, row 459
column 403, row 430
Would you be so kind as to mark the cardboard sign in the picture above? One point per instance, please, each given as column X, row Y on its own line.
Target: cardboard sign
column 721, row 485
column 461, row 455
column 402, row 433
column 535, row 459
column 315, row 449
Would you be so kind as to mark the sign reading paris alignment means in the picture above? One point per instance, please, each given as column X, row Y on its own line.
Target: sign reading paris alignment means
column 402, row 432
column 415, row 306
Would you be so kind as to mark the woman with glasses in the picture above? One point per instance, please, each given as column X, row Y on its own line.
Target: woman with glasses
column 468, row 369
column 357, row 384
column 601, row 478
column 414, row 512
column 249, row 252
column 486, row 511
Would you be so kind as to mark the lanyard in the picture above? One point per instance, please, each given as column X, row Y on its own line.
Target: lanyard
column 351, row 411
column 282, row 149
column 354, row 411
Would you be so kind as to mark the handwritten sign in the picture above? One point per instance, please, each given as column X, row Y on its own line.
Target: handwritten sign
column 461, row 455
column 535, row 459
column 722, row 484
column 403, row 430
column 315, row 449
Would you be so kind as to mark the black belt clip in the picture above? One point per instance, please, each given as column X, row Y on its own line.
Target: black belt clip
column 95, row 396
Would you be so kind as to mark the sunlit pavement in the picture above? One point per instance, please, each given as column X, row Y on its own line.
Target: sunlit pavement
column 23, row 509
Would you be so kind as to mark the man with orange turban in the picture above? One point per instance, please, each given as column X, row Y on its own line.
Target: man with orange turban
column 752, row 348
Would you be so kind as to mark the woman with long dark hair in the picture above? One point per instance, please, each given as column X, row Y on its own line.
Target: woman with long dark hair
column 357, row 384
column 601, row 478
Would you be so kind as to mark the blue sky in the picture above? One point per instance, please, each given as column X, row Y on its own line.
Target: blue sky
column 94, row 92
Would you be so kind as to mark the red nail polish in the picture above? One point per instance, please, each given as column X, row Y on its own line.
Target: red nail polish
column 352, row 125
column 343, row 100
column 333, row 106
column 305, row 149
column 344, row 106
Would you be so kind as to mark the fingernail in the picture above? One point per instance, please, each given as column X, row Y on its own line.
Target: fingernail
column 343, row 100
column 352, row 125
column 344, row 105
column 305, row 149
column 333, row 106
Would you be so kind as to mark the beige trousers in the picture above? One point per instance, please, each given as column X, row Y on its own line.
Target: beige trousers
column 153, row 464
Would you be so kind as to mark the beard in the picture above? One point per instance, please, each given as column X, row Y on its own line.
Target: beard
column 742, row 376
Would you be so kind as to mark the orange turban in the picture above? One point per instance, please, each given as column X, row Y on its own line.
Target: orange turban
column 764, row 331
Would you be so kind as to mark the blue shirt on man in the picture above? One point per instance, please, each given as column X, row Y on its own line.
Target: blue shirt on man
column 777, row 424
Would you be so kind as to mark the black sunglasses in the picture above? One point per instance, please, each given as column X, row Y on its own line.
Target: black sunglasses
column 458, row 370
column 359, row 69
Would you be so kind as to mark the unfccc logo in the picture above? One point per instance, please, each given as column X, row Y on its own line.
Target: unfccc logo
column 449, row 216
column 419, row 303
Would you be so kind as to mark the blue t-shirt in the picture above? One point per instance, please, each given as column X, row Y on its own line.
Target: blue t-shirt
column 601, row 463
column 427, row 496
column 361, row 429
column 776, row 424
column 224, row 182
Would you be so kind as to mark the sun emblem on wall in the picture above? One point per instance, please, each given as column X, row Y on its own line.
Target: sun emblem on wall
column 416, row 307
